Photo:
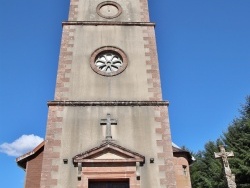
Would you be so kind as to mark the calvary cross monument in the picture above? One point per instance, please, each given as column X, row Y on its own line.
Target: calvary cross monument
column 224, row 155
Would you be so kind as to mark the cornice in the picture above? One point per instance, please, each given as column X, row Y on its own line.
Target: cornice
column 96, row 23
column 108, row 103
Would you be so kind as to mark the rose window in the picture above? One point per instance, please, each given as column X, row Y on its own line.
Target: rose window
column 108, row 61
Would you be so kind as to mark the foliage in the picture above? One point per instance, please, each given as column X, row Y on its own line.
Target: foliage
column 207, row 172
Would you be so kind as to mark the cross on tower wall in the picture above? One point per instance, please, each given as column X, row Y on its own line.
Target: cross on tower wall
column 108, row 122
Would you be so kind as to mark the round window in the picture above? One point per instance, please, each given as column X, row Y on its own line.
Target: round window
column 109, row 9
column 108, row 61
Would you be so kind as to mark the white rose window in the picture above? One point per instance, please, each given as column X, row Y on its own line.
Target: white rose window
column 108, row 61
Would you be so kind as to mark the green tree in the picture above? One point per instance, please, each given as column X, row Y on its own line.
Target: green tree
column 208, row 172
column 237, row 139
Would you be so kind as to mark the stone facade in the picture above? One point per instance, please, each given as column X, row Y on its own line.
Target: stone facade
column 31, row 162
column 124, row 167
column 182, row 161
column 83, row 97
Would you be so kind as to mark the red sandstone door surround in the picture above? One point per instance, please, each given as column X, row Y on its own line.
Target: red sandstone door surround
column 109, row 166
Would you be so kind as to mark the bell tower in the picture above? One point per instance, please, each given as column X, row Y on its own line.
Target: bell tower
column 108, row 123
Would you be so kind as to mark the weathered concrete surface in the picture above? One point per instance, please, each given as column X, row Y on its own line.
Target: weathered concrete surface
column 75, row 129
column 131, row 84
column 130, row 11
column 81, row 131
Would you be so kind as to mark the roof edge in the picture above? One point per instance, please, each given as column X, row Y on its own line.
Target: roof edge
column 26, row 155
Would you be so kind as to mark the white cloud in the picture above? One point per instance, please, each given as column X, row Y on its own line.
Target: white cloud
column 21, row 145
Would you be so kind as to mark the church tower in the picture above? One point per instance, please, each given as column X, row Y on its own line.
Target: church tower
column 108, row 124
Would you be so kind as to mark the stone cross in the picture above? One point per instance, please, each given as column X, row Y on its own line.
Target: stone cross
column 108, row 122
column 224, row 155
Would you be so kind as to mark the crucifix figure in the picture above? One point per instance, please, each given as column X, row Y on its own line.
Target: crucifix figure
column 224, row 155
column 108, row 122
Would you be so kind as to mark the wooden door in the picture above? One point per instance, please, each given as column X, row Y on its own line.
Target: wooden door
column 109, row 184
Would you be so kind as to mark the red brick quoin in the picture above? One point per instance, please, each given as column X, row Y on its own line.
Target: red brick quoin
column 166, row 143
column 52, row 144
column 65, row 63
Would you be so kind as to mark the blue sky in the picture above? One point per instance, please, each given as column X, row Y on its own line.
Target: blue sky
column 204, row 55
